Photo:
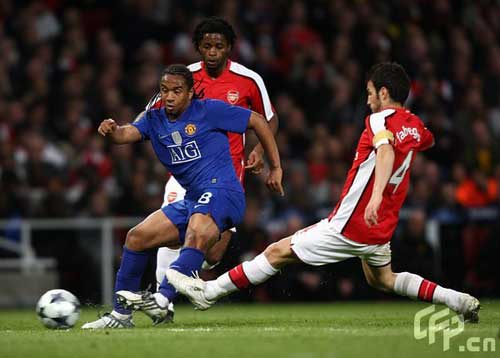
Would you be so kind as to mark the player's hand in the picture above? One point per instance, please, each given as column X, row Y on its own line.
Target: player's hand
column 107, row 126
column 273, row 181
column 255, row 162
column 371, row 215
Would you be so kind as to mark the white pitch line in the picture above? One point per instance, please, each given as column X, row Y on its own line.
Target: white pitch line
column 200, row 329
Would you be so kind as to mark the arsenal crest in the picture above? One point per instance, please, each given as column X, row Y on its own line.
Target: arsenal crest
column 171, row 197
column 233, row 96
column 177, row 138
column 190, row 129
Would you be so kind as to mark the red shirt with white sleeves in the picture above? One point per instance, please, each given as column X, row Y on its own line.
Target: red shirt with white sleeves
column 408, row 135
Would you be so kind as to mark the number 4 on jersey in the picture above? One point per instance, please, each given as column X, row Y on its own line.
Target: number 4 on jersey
column 399, row 173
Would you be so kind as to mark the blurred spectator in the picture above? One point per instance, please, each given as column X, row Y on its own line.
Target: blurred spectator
column 410, row 250
column 477, row 190
column 483, row 152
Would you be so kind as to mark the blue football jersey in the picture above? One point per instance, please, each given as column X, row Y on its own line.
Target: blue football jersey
column 195, row 146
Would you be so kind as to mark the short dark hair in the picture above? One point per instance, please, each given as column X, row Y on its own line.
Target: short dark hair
column 392, row 76
column 180, row 70
column 213, row 25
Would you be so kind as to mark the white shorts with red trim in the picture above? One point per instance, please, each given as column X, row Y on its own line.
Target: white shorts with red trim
column 321, row 244
column 175, row 192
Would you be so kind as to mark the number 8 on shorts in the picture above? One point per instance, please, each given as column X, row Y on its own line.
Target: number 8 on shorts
column 205, row 198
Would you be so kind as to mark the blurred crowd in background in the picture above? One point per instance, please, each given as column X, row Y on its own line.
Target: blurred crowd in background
column 65, row 66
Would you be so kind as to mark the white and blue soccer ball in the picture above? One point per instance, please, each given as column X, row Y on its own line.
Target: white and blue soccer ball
column 58, row 309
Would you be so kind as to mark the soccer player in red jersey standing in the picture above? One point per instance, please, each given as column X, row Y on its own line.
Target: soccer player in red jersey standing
column 362, row 223
column 217, row 77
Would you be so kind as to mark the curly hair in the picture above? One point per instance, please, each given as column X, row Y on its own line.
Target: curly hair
column 213, row 25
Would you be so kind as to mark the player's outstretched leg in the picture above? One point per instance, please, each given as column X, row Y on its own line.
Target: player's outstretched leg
column 414, row 286
column 204, row 294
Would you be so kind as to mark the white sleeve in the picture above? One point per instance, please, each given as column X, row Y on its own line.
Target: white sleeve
column 381, row 135
column 153, row 101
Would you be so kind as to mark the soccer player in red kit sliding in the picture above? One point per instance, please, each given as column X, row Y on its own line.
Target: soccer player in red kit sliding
column 217, row 77
column 362, row 223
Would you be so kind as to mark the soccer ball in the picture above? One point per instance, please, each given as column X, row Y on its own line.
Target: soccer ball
column 58, row 309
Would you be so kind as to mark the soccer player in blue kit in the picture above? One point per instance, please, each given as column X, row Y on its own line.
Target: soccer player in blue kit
column 189, row 137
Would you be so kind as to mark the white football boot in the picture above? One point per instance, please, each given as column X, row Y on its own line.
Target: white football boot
column 108, row 320
column 191, row 287
column 469, row 307
column 145, row 301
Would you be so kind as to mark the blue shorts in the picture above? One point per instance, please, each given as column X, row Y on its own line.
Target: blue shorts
column 226, row 207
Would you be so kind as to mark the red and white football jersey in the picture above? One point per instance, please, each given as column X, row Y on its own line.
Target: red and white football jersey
column 410, row 137
column 236, row 85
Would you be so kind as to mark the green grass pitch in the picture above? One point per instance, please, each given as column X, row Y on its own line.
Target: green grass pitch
column 368, row 329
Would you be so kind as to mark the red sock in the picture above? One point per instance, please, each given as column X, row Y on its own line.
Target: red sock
column 237, row 275
column 426, row 290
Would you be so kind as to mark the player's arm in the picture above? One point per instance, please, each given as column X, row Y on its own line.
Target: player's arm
column 383, row 169
column 260, row 103
column 255, row 160
column 266, row 138
column 119, row 134
column 273, row 124
column 252, row 140
column 382, row 141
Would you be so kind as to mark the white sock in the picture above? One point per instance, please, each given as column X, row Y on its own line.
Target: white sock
column 252, row 272
column 161, row 300
column 120, row 316
column 448, row 297
column 416, row 287
column 219, row 287
column 407, row 284
column 259, row 270
column 163, row 260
